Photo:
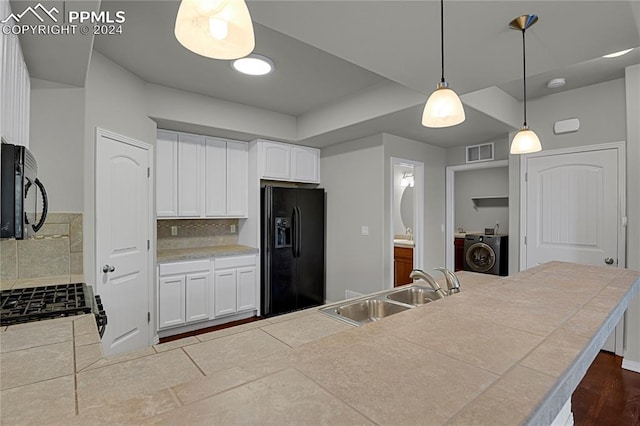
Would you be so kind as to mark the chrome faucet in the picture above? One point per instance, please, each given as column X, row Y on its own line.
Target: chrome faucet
column 453, row 284
column 419, row 273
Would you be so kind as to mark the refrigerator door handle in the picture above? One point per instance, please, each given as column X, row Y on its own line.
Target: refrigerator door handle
column 268, row 224
column 294, row 230
column 299, row 232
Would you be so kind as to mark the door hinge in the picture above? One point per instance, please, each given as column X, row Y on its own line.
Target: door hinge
column 525, row 240
column 148, row 172
column 526, row 176
column 148, row 245
column 148, row 317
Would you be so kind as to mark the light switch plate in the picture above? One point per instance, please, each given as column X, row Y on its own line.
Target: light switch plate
column 364, row 230
column 174, row 230
column 233, row 229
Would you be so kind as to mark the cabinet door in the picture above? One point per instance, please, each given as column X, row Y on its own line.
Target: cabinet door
column 190, row 175
column 167, row 174
column 171, row 303
column 215, row 181
column 237, row 178
column 276, row 161
column 197, row 296
column 225, row 292
column 305, row 164
column 246, row 288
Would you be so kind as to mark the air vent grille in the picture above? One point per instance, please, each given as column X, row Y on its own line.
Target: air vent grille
column 483, row 152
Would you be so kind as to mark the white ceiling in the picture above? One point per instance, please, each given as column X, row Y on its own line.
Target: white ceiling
column 332, row 53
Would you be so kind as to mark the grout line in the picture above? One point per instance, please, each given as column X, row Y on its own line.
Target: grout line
column 194, row 363
column 337, row 397
column 75, row 377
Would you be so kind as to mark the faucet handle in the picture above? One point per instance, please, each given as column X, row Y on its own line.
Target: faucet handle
column 453, row 284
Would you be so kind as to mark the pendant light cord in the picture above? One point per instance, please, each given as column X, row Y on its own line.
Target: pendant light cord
column 442, row 38
column 524, row 75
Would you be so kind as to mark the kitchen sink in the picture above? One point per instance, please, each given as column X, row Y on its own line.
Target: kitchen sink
column 370, row 310
column 415, row 295
column 379, row 305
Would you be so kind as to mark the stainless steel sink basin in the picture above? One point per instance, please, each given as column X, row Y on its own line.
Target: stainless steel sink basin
column 414, row 295
column 369, row 310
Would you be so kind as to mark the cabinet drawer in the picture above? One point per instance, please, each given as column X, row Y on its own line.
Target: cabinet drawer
column 234, row 262
column 184, row 267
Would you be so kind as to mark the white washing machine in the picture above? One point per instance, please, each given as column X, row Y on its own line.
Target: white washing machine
column 487, row 254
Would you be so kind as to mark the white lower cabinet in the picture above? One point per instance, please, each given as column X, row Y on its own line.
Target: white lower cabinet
column 184, row 292
column 235, row 285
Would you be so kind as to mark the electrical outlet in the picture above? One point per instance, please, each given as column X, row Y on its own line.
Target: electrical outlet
column 174, row 230
column 364, row 230
column 233, row 229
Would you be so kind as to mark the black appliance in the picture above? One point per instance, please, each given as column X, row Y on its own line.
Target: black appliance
column 487, row 254
column 293, row 239
column 19, row 210
column 21, row 305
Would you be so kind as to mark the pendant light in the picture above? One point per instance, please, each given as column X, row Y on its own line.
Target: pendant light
column 525, row 141
column 218, row 29
column 443, row 108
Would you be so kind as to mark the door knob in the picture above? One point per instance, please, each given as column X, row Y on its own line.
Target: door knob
column 608, row 260
column 108, row 268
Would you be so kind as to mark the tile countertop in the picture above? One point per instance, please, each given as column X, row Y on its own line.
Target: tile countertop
column 203, row 253
column 504, row 351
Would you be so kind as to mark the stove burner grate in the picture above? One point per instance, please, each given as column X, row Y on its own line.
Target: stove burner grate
column 37, row 303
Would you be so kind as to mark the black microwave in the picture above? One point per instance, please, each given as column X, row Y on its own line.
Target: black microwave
column 20, row 216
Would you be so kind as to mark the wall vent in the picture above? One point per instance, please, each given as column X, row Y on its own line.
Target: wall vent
column 483, row 152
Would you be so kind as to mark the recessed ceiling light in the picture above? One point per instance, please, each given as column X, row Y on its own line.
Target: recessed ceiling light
column 554, row 83
column 616, row 54
column 253, row 64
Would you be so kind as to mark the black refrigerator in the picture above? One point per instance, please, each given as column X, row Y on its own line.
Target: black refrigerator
column 293, row 235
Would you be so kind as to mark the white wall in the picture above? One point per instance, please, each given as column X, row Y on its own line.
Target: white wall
column 57, row 142
column 353, row 176
column 114, row 101
column 481, row 183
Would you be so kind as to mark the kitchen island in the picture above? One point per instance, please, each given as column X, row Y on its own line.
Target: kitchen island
column 506, row 350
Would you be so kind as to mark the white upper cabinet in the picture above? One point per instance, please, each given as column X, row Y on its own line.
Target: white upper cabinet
column 237, row 179
column 215, row 157
column 201, row 177
column 287, row 162
column 167, row 175
column 305, row 164
column 190, row 175
column 15, row 88
column 276, row 161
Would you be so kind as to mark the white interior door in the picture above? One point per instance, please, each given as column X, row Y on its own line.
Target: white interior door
column 573, row 208
column 123, row 224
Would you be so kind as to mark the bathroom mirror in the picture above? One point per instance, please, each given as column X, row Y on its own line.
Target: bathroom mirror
column 406, row 207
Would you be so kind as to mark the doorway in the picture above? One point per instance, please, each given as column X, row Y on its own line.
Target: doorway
column 450, row 203
column 123, row 235
column 406, row 237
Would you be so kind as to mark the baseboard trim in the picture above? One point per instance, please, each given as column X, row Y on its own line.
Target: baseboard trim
column 631, row 365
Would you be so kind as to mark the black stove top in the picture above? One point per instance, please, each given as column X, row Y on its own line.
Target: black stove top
column 23, row 305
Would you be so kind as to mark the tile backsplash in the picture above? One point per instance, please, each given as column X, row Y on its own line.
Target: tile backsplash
column 196, row 233
column 55, row 251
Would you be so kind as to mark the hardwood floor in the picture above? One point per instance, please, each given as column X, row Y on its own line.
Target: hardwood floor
column 607, row 395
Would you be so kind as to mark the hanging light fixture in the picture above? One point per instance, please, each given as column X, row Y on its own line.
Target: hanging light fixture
column 443, row 108
column 219, row 29
column 525, row 141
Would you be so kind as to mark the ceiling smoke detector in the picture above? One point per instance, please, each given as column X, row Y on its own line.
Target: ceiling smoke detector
column 554, row 83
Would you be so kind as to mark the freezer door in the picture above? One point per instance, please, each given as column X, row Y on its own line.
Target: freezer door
column 278, row 263
column 309, row 246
